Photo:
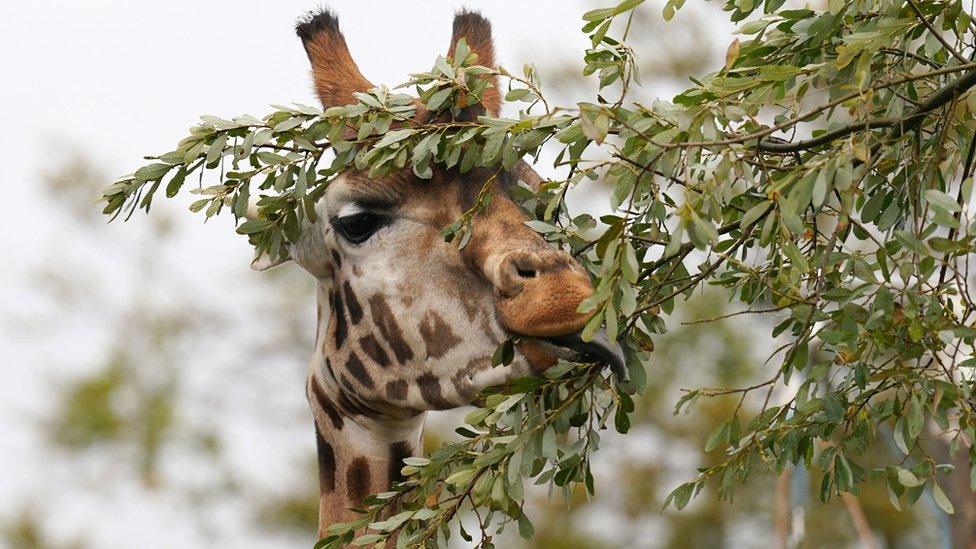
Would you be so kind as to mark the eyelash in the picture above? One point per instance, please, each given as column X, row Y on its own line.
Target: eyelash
column 359, row 227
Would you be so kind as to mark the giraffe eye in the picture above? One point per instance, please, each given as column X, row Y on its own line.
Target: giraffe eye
column 357, row 228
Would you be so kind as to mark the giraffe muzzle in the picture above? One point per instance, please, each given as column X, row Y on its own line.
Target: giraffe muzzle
column 598, row 349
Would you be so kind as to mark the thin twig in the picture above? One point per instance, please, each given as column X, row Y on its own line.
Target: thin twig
column 901, row 125
column 936, row 33
column 737, row 313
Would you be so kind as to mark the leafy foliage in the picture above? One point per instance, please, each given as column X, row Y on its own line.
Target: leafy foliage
column 823, row 176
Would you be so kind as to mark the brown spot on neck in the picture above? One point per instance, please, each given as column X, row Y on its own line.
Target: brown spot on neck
column 398, row 452
column 357, row 480
column 327, row 463
column 325, row 403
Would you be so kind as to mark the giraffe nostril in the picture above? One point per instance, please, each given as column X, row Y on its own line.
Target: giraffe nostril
column 526, row 273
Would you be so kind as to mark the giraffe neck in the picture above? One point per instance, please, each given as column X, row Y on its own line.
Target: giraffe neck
column 360, row 459
column 360, row 452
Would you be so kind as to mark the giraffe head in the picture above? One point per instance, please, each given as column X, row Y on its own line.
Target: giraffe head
column 413, row 320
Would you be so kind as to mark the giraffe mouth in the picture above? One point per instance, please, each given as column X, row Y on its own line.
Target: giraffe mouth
column 598, row 349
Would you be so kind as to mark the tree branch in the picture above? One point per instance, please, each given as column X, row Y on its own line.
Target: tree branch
column 902, row 125
column 936, row 33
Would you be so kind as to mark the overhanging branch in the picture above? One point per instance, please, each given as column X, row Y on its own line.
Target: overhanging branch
column 899, row 126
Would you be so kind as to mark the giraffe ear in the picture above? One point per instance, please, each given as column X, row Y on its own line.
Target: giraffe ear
column 476, row 31
column 265, row 262
column 335, row 74
column 309, row 252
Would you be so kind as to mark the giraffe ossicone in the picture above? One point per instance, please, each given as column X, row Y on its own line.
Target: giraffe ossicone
column 407, row 322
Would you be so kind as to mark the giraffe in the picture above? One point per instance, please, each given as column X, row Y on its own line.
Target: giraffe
column 408, row 323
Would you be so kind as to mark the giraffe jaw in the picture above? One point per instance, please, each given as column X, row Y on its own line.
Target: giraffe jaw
column 599, row 349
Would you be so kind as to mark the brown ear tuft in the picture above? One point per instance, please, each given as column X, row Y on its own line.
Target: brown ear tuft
column 315, row 22
column 335, row 74
column 476, row 31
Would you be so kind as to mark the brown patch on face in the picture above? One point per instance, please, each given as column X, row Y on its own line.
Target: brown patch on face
column 374, row 350
column 327, row 463
column 461, row 292
column 355, row 309
column 398, row 452
column 407, row 292
column 538, row 357
column 389, row 329
column 437, row 335
column 357, row 480
column 336, row 260
column 396, row 389
column 430, row 390
column 325, row 403
column 339, row 319
column 358, row 371
column 461, row 380
column 488, row 331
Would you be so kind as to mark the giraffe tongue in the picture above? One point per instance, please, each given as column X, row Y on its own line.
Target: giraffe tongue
column 599, row 348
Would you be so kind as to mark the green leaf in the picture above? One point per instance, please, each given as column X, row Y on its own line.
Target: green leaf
column 680, row 496
column 916, row 417
column 621, row 421
column 778, row 72
column 628, row 263
column 461, row 478
column 254, row 226
column 908, row 479
column 941, row 200
column 754, row 213
column 152, row 172
column 941, row 499
column 174, row 185
column 525, row 528
column 671, row 7
column 718, row 436
column 393, row 137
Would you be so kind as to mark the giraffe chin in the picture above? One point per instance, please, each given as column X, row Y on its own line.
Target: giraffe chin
column 598, row 349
